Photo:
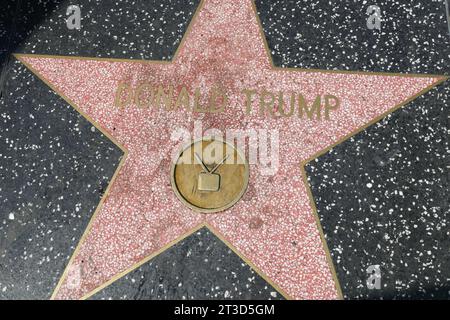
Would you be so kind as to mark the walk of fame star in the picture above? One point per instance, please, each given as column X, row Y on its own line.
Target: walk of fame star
column 140, row 215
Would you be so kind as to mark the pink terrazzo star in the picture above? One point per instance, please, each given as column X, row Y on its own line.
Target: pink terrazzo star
column 273, row 226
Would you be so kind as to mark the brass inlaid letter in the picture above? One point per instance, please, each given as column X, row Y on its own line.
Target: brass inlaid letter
column 216, row 96
column 331, row 103
column 303, row 107
column 264, row 104
column 183, row 99
column 197, row 106
column 162, row 96
column 144, row 87
column 123, row 87
column 281, row 105
column 248, row 100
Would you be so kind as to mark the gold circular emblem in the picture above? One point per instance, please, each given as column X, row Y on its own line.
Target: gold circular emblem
column 210, row 175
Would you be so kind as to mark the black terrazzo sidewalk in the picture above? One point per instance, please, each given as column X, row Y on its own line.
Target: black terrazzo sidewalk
column 382, row 196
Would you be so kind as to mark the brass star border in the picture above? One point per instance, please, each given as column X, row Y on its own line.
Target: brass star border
column 19, row 56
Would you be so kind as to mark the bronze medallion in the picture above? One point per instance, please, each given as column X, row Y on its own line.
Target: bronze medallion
column 210, row 175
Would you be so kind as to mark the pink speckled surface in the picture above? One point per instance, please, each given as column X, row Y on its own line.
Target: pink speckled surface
column 142, row 214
